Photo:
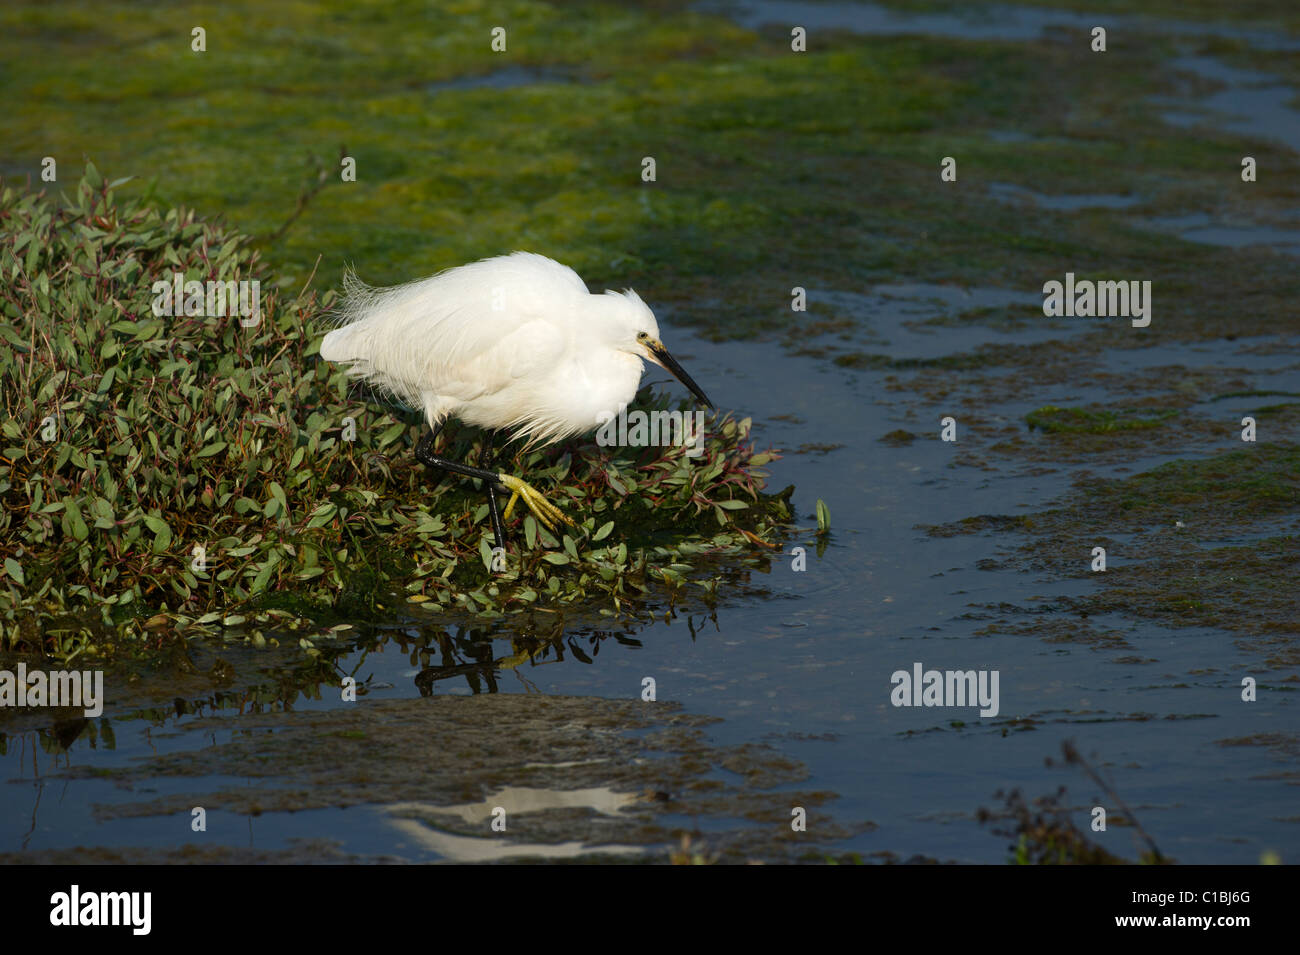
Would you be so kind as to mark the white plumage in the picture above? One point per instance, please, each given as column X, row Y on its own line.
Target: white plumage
column 514, row 342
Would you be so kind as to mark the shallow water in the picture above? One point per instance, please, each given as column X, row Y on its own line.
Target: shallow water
column 1199, row 227
column 503, row 79
column 923, row 320
column 1008, row 192
column 976, row 21
column 1247, row 102
column 803, row 664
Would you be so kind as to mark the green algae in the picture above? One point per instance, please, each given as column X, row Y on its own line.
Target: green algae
column 982, row 358
column 1052, row 420
column 451, row 176
column 1184, row 566
column 1231, row 488
column 898, row 438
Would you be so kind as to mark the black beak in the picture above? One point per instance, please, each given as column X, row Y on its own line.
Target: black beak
column 669, row 362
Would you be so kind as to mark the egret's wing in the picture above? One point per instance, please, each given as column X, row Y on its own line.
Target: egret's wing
column 462, row 333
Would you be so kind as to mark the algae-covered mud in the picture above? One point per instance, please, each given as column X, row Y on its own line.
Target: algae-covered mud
column 1001, row 495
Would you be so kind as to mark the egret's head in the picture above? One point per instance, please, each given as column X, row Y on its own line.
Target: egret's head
column 640, row 337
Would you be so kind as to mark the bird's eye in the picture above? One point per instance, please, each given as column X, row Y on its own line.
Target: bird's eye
column 642, row 336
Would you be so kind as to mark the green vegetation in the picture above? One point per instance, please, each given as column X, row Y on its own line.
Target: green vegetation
column 1052, row 420
column 1210, row 534
column 1228, row 489
column 765, row 159
column 131, row 440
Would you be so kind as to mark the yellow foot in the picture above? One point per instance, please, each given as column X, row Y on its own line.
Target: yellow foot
column 542, row 509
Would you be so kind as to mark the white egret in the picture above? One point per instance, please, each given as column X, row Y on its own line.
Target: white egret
column 512, row 343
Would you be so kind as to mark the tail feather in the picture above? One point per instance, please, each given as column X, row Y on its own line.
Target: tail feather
column 337, row 345
column 342, row 343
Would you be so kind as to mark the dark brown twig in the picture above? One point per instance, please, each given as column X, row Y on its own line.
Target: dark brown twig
column 1074, row 758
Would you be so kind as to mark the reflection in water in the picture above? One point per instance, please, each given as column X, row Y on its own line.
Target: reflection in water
column 57, row 739
column 274, row 681
column 452, row 777
column 426, row 824
column 470, row 653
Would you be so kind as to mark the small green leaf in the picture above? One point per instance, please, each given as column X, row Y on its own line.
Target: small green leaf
column 324, row 513
column 162, row 533
column 264, row 575
column 73, row 521
column 390, row 435
column 15, row 570
column 277, row 492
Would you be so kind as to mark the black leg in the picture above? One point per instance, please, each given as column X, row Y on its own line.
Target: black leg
column 487, row 459
column 424, row 454
column 487, row 453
